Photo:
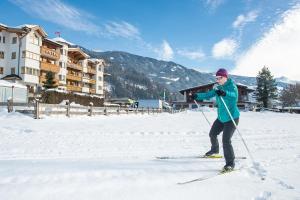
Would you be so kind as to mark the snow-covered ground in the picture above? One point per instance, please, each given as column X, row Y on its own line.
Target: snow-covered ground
column 114, row 157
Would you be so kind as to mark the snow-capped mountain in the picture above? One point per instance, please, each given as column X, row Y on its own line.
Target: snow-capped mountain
column 137, row 71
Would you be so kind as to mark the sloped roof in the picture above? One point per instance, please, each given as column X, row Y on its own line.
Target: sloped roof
column 62, row 40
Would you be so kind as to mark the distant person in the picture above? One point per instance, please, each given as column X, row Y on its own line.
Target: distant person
column 226, row 89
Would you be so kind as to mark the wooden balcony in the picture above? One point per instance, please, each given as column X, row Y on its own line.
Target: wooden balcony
column 74, row 77
column 49, row 67
column 74, row 88
column 92, row 81
column 50, row 53
column 92, row 91
column 74, row 66
column 91, row 71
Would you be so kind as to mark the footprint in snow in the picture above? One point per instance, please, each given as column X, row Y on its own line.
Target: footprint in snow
column 283, row 184
column 263, row 196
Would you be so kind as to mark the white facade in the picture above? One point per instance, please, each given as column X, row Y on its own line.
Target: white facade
column 99, row 76
column 21, row 49
column 63, row 66
column 20, row 54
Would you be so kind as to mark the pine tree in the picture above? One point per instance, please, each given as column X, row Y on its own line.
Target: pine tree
column 266, row 87
column 49, row 83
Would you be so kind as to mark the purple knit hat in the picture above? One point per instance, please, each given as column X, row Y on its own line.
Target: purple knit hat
column 222, row 72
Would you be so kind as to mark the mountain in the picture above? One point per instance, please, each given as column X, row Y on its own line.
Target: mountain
column 143, row 77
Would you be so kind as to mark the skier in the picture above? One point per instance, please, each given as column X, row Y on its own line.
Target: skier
column 227, row 90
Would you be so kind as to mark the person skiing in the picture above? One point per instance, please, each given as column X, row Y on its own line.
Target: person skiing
column 227, row 90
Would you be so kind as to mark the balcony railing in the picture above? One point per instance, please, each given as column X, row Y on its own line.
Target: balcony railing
column 74, row 66
column 74, row 77
column 50, row 53
column 74, row 88
column 92, row 81
column 49, row 67
column 91, row 71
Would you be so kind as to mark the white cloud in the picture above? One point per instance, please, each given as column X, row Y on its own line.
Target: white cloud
column 59, row 13
column 278, row 49
column 225, row 48
column 213, row 4
column 165, row 52
column 242, row 20
column 122, row 29
column 192, row 55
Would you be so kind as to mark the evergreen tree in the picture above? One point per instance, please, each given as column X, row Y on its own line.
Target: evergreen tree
column 266, row 87
column 49, row 83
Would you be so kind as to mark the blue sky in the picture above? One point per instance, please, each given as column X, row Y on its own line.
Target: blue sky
column 200, row 34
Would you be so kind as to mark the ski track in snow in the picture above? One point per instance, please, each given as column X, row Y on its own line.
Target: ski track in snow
column 114, row 157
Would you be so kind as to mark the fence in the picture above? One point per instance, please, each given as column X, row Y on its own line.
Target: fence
column 38, row 109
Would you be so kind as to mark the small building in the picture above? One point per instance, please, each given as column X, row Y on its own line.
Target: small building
column 244, row 101
column 123, row 102
column 15, row 91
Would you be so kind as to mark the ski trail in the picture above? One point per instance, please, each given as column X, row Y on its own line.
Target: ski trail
column 283, row 184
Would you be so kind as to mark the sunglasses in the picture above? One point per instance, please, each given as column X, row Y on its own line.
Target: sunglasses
column 219, row 78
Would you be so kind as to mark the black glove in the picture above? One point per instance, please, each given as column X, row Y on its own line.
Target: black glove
column 221, row 92
column 194, row 96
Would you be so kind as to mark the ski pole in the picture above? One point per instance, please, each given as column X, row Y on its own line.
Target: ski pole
column 202, row 113
column 252, row 159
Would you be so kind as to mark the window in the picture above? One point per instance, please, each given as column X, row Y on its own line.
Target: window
column 13, row 70
column 1, row 54
column 34, row 39
column 14, row 40
column 1, row 70
column 3, row 38
column 27, row 54
column 30, row 71
column 100, row 68
column 22, row 70
column 13, row 55
column 99, row 87
column 99, row 78
column 0, row 39
column 62, row 65
column 62, row 77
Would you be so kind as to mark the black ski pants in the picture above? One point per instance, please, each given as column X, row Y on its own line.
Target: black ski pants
column 228, row 129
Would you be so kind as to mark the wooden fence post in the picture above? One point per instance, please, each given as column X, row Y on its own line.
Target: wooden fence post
column 118, row 111
column 105, row 111
column 90, row 110
column 37, row 109
column 9, row 105
column 68, row 108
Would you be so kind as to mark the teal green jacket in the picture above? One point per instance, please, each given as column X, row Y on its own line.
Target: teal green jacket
column 230, row 99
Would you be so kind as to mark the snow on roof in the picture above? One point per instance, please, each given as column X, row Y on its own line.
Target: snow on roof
column 26, row 25
column 3, row 25
column 60, row 39
column 5, row 83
